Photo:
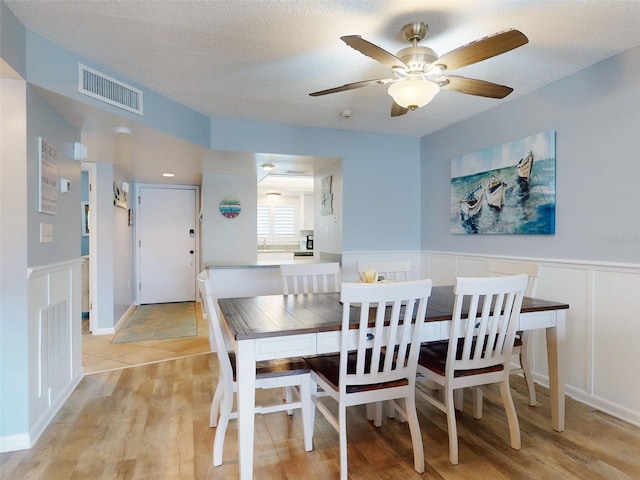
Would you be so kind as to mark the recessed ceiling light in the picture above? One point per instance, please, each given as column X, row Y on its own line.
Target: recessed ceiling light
column 122, row 130
column 168, row 175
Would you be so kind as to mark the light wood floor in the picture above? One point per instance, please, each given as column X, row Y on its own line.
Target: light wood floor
column 99, row 354
column 151, row 422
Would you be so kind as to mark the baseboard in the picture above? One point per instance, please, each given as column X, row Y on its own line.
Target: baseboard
column 103, row 331
column 24, row 441
column 613, row 409
column 13, row 443
column 125, row 316
column 605, row 406
column 43, row 422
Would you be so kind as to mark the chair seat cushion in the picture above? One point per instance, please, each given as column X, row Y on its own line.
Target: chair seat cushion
column 433, row 355
column 328, row 368
column 275, row 368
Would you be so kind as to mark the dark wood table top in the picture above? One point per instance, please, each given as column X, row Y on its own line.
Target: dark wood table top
column 277, row 315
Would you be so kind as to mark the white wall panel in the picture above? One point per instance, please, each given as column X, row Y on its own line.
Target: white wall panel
column 616, row 333
column 601, row 354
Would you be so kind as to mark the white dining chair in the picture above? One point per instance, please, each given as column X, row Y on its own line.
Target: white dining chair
column 310, row 277
column 301, row 278
column 269, row 374
column 394, row 270
column 387, row 270
column 478, row 352
column 377, row 362
column 520, row 349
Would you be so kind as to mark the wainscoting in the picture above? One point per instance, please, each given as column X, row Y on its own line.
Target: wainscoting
column 55, row 341
column 601, row 354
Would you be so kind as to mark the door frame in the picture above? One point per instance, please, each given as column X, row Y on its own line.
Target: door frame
column 92, row 171
column 136, row 216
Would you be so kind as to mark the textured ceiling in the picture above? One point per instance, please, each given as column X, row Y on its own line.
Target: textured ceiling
column 259, row 60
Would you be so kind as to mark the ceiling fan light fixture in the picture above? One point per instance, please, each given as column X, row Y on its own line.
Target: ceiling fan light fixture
column 413, row 92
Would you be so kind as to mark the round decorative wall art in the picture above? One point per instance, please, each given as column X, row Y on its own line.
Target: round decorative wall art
column 230, row 207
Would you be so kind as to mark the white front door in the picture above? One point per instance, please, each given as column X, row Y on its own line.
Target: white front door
column 166, row 236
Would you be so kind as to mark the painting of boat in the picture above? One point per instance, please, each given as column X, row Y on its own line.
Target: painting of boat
column 516, row 182
column 524, row 167
column 471, row 204
column 496, row 192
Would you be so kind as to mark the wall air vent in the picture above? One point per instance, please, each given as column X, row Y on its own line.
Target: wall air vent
column 109, row 90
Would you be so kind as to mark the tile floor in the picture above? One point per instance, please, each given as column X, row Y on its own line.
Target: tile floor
column 99, row 354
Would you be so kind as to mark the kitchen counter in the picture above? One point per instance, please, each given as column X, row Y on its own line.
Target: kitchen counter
column 248, row 279
column 258, row 263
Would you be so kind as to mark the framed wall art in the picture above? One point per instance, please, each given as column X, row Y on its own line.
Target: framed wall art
column 230, row 207
column 326, row 197
column 506, row 189
column 84, row 206
column 47, row 185
column 119, row 196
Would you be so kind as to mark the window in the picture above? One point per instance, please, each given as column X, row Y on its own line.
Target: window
column 277, row 223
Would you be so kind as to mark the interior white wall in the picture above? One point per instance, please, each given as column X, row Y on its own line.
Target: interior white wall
column 13, row 260
column 229, row 239
column 327, row 232
column 599, row 354
column 123, row 264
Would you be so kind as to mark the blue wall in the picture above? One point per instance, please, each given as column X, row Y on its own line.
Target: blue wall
column 381, row 180
column 596, row 116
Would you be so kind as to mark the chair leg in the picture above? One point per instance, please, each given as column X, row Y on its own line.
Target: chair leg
column 392, row 411
column 451, row 425
column 225, row 414
column 215, row 405
column 458, row 396
column 416, row 436
column 342, row 424
column 526, row 368
column 512, row 417
column 374, row 413
column 288, row 397
column 377, row 414
column 477, row 402
column 308, row 414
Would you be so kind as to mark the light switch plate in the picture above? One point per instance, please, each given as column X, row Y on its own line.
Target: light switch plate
column 46, row 233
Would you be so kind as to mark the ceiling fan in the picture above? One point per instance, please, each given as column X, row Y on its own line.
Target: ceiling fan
column 419, row 74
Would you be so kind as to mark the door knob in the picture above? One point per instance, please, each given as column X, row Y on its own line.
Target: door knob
column 191, row 252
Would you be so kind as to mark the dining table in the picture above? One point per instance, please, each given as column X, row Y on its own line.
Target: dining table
column 281, row 326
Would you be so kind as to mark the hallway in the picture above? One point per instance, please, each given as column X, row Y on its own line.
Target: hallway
column 100, row 355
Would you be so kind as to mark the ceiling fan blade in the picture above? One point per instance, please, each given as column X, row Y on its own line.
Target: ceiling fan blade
column 373, row 51
column 351, row 86
column 397, row 110
column 471, row 86
column 482, row 49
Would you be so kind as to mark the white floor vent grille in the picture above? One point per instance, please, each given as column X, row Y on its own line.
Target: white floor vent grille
column 109, row 90
column 54, row 345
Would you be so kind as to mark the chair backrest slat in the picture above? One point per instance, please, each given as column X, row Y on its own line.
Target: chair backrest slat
column 310, row 277
column 486, row 334
column 395, row 270
column 387, row 341
column 532, row 270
